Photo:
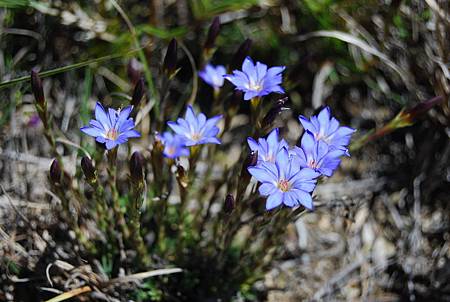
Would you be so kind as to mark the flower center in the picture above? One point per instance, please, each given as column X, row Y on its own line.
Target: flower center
column 320, row 136
column 171, row 150
column 256, row 86
column 313, row 164
column 112, row 134
column 270, row 158
column 284, row 185
column 196, row 136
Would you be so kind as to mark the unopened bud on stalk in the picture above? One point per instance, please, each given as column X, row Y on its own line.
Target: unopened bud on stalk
column 407, row 117
column 133, row 71
column 229, row 204
column 138, row 93
column 55, row 172
column 137, row 167
column 274, row 111
column 88, row 169
column 252, row 159
column 240, row 55
column 170, row 60
column 36, row 86
column 213, row 32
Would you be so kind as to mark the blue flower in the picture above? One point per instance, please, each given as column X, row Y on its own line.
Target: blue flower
column 317, row 155
column 174, row 145
column 196, row 129
column 213, row 75
column 267, row 148
column 112, row 127
column 326, row 128
column 284, row 182
column 257, row 80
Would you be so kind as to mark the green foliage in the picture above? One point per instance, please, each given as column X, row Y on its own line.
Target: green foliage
column 14, row 3
column 149, row 292
column 206, row 9
column 165, row 34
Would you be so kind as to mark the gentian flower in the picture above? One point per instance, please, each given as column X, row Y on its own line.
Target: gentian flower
column 256, row 80
column 326, row 128
column 174, row 145
column 284, row 182
column 112, row 127
column 196, row 129
column 213, row 76
column 317, row 155
column 267, row 148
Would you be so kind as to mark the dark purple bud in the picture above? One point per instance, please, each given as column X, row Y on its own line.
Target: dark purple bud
column 213, row 32
column 138, row 93
column 88, row 169
column 133, row 70
column 274, row 111
column 422, row 108
column 36, row 86
column 229, row 204
column 170, row 60
column 252, row 159
column 240, row 55
column 55, row 172
column 137, row 166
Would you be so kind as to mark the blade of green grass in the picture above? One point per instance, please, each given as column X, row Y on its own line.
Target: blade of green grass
column 87, row 88
column 14, row 3
column 68, row 68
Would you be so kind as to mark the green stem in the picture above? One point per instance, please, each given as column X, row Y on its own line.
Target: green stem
column 112, row 181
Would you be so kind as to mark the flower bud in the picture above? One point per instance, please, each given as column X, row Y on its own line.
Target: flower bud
column 133, row 71
column 229, row 204
column 137, row 167
column 213, row 32
column 36, row 86
column 274, row 111
column 138, row 93
column 407, row 117
column 55, row 172
column 241, row 53
column 170, row 60
column 252, row 159
column 88, row 169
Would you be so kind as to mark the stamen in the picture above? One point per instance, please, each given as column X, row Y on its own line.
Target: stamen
column 284, row 185
column 313, row 164
column 196, row 136
column 112, row 134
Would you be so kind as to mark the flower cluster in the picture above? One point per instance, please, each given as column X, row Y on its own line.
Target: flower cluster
column 288, row 176
column 193, row 129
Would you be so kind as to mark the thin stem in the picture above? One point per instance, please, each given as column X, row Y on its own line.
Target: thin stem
column 112, row 178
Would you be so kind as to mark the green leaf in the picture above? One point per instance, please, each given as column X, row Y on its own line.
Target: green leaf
column 66, row 68
column 15, row 3
column 160, row 32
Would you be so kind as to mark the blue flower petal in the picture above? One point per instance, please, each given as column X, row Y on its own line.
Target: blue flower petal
column 305, row 199
column 274, row 200
column 102, row 117
column 262, row 174
column 92, row 131
column 267, row 189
